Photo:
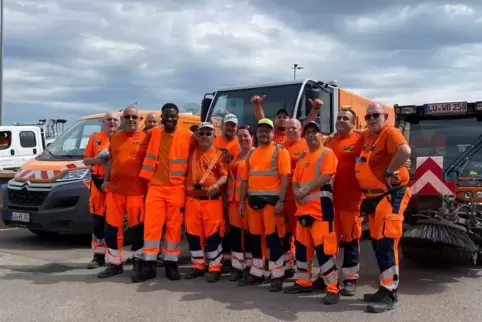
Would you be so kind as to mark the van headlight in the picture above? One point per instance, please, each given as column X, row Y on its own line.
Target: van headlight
column 478, row 195
column 468, row 195
column 74, row 175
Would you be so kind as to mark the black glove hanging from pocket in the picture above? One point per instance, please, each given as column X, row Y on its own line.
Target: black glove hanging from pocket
column 306, row 220
column 259, row 202
column 98, row 181
column 369, row 205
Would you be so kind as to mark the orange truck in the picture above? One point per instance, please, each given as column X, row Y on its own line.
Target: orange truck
column 292, row 96
column 50, row 193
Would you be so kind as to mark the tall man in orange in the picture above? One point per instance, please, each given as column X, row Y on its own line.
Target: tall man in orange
column 265, row 183
column 228, row 143
column 165, row 167
column 296, row 146
column 347, row 196
column 313, row 188
column 207, row 175
column 95, row 155
column 125, row 192
column 383, row 181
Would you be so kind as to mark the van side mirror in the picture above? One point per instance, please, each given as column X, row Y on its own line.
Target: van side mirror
column 205, row 104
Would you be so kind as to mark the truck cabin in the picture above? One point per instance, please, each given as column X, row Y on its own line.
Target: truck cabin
column 451, row 130
column 292, row 96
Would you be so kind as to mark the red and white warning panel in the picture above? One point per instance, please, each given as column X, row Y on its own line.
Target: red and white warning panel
column 429, row 178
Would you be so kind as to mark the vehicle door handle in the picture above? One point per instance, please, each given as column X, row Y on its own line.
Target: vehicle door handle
column 34, row 151
column 12, row 152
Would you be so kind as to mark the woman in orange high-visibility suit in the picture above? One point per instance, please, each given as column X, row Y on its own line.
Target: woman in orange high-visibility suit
column 383, row 181
column 241, row 258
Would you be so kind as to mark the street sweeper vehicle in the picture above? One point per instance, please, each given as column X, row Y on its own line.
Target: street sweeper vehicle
column 445, row 214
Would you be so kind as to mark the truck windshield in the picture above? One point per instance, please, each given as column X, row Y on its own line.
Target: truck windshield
column 238, row 102
column 71, row 144
column 447, row 137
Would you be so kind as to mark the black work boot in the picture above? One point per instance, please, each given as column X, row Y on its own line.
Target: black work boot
column 297, row 288
column 227, row 267
column 136, row 266
column 194, row 273
column 251, row 280
column 349, row 288
column 111, row 270
column 172, row 271
column 385, row 302
column 213, row 277
column 331, row 298
column 276, row 285
column 319, row 284
column 235, row 276
column 378, row 295
column 146, row 272
column 160, row 261
column 130, row 261
column 289, row 273
column 97, row 261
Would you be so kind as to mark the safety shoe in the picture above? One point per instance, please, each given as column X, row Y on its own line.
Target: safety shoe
column 289, row 273
column 194, row 273
column 136, row 266
column 251, row 280
column 319, row 284
column 147, row 271
column 213, row 277
column 235, row 276
column 227, row 267
column 276, row 285
column 160, row 261
column 110, row 271
column 172, row 271
column 130, row 261
column 384, row 303
column 378, row 295
column 331, row 298
column 297, row 288
column 97, row 261
column 349, row 288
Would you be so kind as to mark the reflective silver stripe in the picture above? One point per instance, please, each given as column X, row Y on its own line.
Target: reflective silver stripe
column 214, row 254
column 317, row 195
column 151, row 244
column 263, row 193
column 277, row 267
column 178, row 161
column 197, row 253
column 331, row 279
column 171, row 246
column 177, row 173
column 114, row 256
column 248, row 260
column 138, row 253
column 302, row 275
column 150, row 257
column 389, row 273
column 351, row 272
column 328, row 265
column 151, row 156
column 302, row 265
column 324, row 190
column 273, row 171
column 99, row 250
column 170, row 257
column 147, row 168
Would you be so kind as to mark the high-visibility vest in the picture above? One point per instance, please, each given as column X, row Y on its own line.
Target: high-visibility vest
column 234, row 183
column 267, row 175
column 178, row 155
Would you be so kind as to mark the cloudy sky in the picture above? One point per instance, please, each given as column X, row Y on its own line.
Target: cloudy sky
column 68, row 58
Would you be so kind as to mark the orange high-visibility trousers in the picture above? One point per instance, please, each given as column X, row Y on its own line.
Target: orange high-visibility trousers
column 386, row 229
column 322, row 237
column 241, row 257
column 204, row 221
column 117, row 206
column 97, row 210
column 265, row 224
column 289, row 239
column 163, row 209
column 348, row 226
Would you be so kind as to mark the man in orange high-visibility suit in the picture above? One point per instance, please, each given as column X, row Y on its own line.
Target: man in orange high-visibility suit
column 228, row 143
column 296, row 146
column 125, row 192
column 383, row 181
column 265, row 183
column 96, row 156
column 313, row 190
column 347, row 197
column 207, row 175
column 152, row 120
column 165, row 168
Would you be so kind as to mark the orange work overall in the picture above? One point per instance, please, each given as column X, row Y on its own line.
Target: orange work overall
column 203, row 214
column 315, row 229
column 241, row 257
column 347, row 198
column 166, row 191
column 385, row 220
column 98, row 141
column 264, row 180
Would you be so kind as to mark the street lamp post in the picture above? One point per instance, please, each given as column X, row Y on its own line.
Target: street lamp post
column 1, row 62
column 295, row 67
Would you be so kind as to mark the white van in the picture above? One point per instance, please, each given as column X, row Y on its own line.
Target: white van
column 18, row 144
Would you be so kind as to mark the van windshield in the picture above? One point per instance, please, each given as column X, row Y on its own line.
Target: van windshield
column 71, row 144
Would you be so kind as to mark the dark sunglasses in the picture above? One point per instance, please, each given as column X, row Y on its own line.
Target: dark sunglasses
column 204, row 133
column 344, row 118
column 129, row 117
column 374, row 115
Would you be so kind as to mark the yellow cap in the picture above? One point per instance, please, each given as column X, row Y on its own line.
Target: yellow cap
column 266, row 121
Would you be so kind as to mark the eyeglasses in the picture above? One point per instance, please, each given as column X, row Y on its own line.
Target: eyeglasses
column 374, row 115
column 129, row 117
column 344, row 118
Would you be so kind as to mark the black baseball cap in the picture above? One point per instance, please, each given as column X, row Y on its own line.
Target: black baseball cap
column 282, row 110
column 312, row 124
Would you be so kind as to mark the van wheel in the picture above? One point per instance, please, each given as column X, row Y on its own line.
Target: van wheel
column 127, row 233
column 43, row 233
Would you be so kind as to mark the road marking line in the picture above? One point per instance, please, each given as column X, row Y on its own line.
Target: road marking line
column 7, row 229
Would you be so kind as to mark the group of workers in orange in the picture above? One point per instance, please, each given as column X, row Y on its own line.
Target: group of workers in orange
column 269, row 207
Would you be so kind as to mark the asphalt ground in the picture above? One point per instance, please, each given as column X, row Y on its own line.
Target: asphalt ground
column 46, row 280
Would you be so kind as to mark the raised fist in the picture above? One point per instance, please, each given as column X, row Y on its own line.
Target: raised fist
column 316, row 104
column 257, row 100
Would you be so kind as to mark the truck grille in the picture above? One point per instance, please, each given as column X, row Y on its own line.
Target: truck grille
column 26, row 197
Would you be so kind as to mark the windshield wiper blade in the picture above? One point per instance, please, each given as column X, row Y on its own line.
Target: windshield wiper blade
column 48, row 151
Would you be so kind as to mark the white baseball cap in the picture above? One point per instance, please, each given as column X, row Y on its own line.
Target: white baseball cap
column 230, row 118
column 206, row 125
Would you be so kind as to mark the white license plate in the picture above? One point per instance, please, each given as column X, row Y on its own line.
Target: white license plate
column 446, row 108
column 20, row 217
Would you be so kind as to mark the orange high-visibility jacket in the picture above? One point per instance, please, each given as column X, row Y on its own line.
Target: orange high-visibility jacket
column 234, row 179
column 178, row 155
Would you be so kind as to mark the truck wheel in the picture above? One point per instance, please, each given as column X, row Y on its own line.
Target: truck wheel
column 127, row 233
column 43, row 233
